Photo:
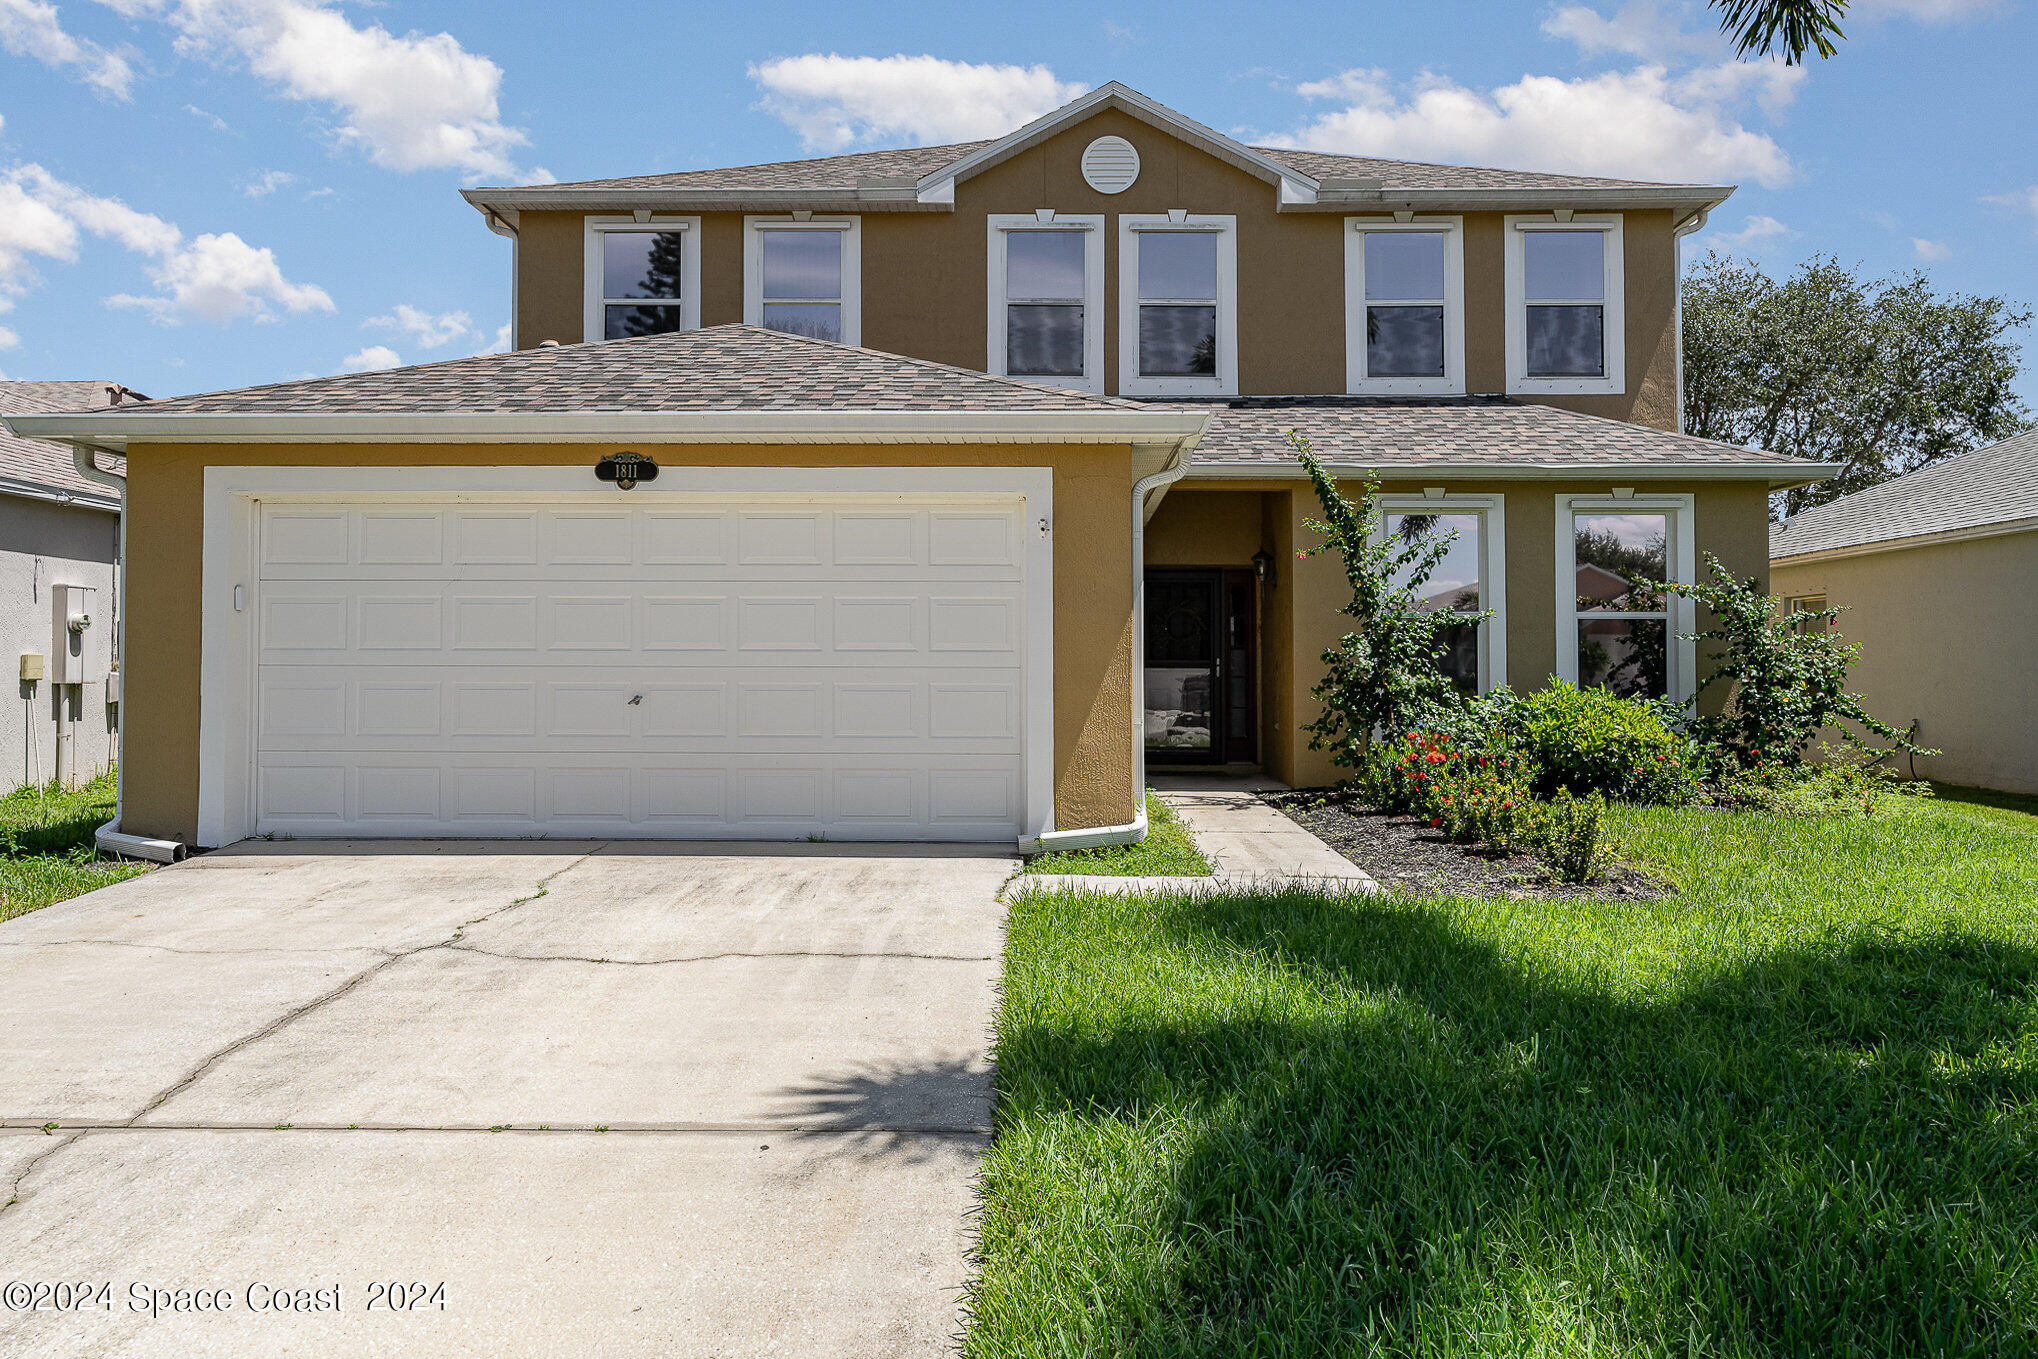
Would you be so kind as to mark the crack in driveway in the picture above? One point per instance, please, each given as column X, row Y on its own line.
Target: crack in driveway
column 389, row 959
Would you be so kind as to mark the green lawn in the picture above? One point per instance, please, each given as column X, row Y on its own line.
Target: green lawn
column 1167, row 851
column 46, row 851
column 1791, row 1110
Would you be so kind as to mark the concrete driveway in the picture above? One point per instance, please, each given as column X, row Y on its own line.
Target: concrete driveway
column 617, row 1099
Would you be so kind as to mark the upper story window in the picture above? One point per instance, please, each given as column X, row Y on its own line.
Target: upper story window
column 1046, row 319
column 642, row 278
column 804, row 277
column 1615, row 629
column 1178, row 305
column 1565, row 305
column 1405, row 306
column 1471, row 579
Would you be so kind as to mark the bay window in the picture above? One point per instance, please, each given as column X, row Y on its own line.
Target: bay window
column 1565, row 305
column 1615, row 629
column 804, row 277
column 1178, row 304
column 1046, row 300
column 641, row 277
column 1469, row 580
column 1404, row 306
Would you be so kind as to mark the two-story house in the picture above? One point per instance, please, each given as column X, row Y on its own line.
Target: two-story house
column 972, row 493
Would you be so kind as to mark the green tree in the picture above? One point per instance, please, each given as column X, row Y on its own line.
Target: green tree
column 1881, row 376
column 1383, row 675
column 1785, row 28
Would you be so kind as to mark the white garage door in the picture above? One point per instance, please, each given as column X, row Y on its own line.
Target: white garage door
column 662, row 669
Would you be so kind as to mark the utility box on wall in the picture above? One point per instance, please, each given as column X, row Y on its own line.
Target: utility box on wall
column 79, row 648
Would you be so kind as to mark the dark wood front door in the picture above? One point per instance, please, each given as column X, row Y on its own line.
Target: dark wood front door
column 1200, row 667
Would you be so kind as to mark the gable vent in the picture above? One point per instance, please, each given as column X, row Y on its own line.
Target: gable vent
column 1110, row 164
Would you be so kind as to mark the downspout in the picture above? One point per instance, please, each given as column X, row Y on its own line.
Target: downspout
column 1133, row 831
column 110, row 837
column 1684, row 228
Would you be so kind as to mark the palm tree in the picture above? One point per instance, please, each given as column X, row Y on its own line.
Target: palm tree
column 1788, row 28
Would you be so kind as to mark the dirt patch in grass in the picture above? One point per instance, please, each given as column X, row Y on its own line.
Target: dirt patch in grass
column 1402, row 854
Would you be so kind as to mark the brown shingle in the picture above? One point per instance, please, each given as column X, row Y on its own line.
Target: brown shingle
column 46, row 465
column 1993, row 485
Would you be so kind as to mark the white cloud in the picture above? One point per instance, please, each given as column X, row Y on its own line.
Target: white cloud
column 835, row 101
column 214, row 277
column 267, row 182
column 500, row 343
column 8, row 340
column 220, row 277
column 1640, row 28
column 416, row 102
column 1930, row 250
column 1641, row 124
column 218, row 123
column 2024, row 200
column 375, row 356
column 29, row 28
column 1923, row 11
column 429, row 329
column 1753, row 234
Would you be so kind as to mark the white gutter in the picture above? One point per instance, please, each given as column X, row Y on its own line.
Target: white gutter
column 1133, row 831
column 113, row 431
column 110, row 837
column 1780, row 473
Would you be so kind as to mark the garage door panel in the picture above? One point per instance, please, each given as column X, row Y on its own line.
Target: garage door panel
column 771, row 671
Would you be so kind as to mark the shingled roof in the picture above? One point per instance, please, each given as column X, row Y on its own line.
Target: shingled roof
column 1250, row 434
column 720, row 368
column 1992, row 486
column 32, row 466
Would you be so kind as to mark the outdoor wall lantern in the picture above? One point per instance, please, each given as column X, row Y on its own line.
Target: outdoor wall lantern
column 1263, row 567
column 626, row 469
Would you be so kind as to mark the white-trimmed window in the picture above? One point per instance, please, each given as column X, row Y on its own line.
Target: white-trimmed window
column 1566, row 313
column 804, row 277
column 1470, row 579
column 641, row 277
column 1613, row 630
column 1405, row 306
column 1046, row 299
column 1178, row 305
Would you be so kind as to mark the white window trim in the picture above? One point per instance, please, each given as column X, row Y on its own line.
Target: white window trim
column 1682, row 554
column 1615, row 380
column 1492, row 512
column 1357, row 381
column 595, row 228
column 999, row 229
column 1225, row 382
column 851, row 229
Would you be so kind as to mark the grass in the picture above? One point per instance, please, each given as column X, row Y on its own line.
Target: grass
column 1792, row 1109
column 1167, row 851
column 46, row 850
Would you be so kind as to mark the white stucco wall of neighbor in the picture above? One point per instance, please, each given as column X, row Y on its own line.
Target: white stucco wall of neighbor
column 43, row 545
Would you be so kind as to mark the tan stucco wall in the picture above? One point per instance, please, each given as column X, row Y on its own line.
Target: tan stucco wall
column 1949, row 637
column 1299, row 615
column 924, row 273
column 1093, row 735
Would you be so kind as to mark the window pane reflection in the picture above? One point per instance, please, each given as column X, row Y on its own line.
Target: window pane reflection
column 1567, row 265
column 1625, row 655
column 1404, row 341
column 1044, row 264
column 802, row 264
column 641, row 263
column 1404, row 265
column 1616, row 553
column 623, row 323
column 1567, row 341
column 1177, row 341
column 1181, row 264
column 1044, row 340
column 817, row 320
column 1178, row 708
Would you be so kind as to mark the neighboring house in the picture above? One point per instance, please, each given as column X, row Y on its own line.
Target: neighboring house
column 1938, row 572
column 899, row 594
column 57, row 529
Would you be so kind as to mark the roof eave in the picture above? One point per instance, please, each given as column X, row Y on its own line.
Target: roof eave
column 57, row 495
column 1969, row 533
column 116, row 433
column 1689, row 197
column 506, row 204
column 1779, row 476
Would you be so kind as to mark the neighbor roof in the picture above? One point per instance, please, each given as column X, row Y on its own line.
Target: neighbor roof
column 1465, row 435
column 1993, row 487
column 924, row 178
column 731, row 378
column 28, row 466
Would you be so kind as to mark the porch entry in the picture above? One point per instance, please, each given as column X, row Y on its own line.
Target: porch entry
column 1200, row 667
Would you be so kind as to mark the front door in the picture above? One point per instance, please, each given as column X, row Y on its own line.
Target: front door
column 1199, row 677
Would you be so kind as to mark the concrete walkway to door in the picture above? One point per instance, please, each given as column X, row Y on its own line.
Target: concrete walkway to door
column 618, row 1099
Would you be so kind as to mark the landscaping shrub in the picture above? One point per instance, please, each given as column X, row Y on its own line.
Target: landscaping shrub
column 1570, row 838
column 1591, row 741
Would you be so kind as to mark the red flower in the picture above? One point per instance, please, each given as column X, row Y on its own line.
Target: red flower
column 1436, row 821
column 1435, row 757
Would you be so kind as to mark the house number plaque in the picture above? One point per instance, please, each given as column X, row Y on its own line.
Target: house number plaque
column 626, row 469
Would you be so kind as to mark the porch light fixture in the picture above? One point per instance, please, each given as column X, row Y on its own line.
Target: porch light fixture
column 1263, row 567
column 626, row 469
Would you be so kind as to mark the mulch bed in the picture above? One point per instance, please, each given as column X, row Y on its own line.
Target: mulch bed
column 1403, row 854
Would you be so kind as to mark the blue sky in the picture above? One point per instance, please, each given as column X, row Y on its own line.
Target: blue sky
column 198, row 194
